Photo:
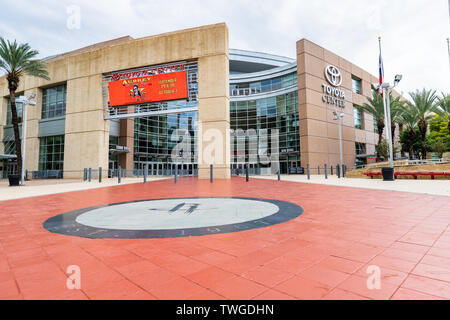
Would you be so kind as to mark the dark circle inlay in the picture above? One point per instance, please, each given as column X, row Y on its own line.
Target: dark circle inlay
column 172, row 217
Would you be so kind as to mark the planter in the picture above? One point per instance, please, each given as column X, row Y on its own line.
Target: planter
column 14, row 180
column 388, row 174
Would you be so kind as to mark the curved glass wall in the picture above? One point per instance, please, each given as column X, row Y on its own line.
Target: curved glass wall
column 268, row 85
column 263, row 116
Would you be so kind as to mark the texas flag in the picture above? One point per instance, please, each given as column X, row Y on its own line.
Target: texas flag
column 381, row 68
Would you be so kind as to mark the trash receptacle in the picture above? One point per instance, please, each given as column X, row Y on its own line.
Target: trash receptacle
column 388, row 174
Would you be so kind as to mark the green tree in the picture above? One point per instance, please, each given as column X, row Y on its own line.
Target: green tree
column 17, row 60
column 375, row 107
column 444, row 109
column 409, row 135
column 397, row 108
column 424, row 104
column 439, row 135
column 411, row 142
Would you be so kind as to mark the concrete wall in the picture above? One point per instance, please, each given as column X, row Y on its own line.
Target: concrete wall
column 86, row 131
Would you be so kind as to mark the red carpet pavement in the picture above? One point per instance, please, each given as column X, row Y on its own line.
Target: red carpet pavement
column 322, row 254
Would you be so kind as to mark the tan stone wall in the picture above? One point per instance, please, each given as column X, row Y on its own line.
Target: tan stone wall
column 87, row 133
column 319, row 135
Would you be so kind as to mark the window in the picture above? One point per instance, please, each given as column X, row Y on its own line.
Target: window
column 356, row 85
column 360, row 148
column 51, row 153
column 357, row 118
column 9, row 113
column 375, row 124
column 54, row 102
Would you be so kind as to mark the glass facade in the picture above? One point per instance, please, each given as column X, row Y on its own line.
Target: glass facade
column 155, row 138
column 263, row 86
column 9, row 113
column 54, row 102
column 360, row 148
column 356, row 85
column 357, row 115
column 264, row 115
column 51, row 153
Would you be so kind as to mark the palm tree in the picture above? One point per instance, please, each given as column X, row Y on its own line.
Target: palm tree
column 397, row 108
column 423, row 102
column 444, row 109
column 17, row 60
column 409, row 117
column 375, row 107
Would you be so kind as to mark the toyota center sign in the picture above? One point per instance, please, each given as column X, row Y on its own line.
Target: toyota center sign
column 331, row 94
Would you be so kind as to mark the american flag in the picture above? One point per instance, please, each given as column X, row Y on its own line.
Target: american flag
column 381, row 68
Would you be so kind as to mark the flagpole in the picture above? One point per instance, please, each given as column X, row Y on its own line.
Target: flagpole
column 386, row 107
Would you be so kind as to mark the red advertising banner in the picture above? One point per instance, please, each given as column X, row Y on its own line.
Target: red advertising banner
column 161, row 87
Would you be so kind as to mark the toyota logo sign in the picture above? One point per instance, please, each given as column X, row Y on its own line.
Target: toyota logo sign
column 333, row 75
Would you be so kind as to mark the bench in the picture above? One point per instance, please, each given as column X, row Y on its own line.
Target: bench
column 414, row 174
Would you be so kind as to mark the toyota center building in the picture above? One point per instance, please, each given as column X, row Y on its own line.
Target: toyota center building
column 185, row 99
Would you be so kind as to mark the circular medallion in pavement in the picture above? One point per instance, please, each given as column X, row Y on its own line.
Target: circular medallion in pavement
column 175, row 217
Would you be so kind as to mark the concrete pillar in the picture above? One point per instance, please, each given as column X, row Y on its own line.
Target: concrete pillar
column 214, row 115
column 86, row 141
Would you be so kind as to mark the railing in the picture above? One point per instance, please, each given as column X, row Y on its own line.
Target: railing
column 47, row 174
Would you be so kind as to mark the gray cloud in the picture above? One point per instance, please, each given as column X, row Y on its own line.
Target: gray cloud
column 414, row 32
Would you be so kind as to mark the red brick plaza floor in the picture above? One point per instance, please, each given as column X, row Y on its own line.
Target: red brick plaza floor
column 322, row 254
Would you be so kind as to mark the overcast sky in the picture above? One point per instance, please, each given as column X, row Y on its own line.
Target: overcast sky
column 414, row 32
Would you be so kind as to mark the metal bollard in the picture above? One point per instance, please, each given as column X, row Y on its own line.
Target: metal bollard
column 344, row 171
column 331, row 169
column 211, row 177
column 176, row 173
column 326, row 171
column 308, row 172
column 246, row 172
column 119, row 175
column 338, row 171
column 279, row 175
column 145, row 173
column 100, row 174
column 318, row 169
column 90, row 174
column 85, row 174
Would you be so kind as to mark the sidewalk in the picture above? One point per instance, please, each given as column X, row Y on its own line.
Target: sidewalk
column 432, row 187
column 35, row 188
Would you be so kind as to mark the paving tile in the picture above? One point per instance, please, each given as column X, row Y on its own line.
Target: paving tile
column 388, row 275
column 238, row 288
column 428, row 286
column 341, row 264
column 291, row 265
column 210, row 277
column 302, row 288
column 393, row 263
column 358, row 285
column 436, row 261
column 273, row 295
column 178, row 289
column 8, row 288
column 327, row 276
column 432, row 271
column 339, row 294
column 267, row 276
column 301, row 259
column 406, row 294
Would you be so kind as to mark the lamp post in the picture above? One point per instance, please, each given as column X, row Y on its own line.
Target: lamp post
column 25, row 102
column 339, row 118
